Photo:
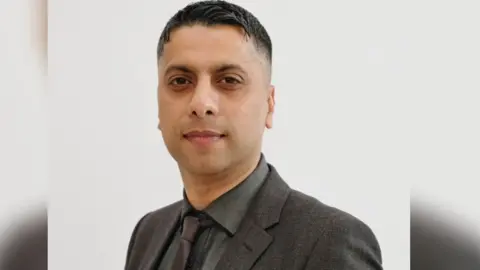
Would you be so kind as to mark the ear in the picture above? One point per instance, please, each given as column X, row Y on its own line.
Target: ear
column 271, row 107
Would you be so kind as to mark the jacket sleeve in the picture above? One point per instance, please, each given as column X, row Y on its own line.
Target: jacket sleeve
column 345, row 243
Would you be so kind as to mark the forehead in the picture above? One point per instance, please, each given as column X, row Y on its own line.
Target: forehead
column 204, row 46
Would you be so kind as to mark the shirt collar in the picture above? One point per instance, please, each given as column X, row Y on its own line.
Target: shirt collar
column 229, row 209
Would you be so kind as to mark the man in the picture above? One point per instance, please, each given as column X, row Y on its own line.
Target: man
column 215, row 100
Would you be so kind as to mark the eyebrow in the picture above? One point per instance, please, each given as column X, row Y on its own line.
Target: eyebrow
column 226, row 67
column 215, row 69
column 181, row 68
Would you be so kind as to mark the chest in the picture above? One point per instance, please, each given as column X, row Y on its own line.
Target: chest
column 215, row 249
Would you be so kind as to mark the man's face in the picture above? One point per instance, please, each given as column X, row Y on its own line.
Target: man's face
column 214, row 98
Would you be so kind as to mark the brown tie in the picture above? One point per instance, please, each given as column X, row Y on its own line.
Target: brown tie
column 189, row 230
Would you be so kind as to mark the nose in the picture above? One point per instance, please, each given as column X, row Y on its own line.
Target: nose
column 204, row 101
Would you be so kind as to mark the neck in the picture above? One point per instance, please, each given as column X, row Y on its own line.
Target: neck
column 202, row 190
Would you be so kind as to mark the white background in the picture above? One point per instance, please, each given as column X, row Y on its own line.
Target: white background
column 370, row 97
column 23, row 114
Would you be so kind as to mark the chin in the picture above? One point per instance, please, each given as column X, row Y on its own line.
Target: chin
column 206, row 170
column 206, row 165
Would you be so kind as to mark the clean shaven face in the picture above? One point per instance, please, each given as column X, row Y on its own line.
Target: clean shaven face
column 214, row 97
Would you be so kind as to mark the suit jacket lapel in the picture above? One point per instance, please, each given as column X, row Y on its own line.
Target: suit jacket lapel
column 163, row 231
column 252, row 238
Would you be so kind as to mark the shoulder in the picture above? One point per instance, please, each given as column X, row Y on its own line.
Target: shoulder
column 164, row 211
column 315, row 212
column 333, row 230
column 146, row 225
column 155, row 217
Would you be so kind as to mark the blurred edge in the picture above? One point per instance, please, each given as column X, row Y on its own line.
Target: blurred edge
column 23, row 214
column 441, row 239
column 40, row 32
column 25, row 243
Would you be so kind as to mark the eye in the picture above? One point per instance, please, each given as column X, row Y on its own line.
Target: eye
column 230, row 80
column 179, row 81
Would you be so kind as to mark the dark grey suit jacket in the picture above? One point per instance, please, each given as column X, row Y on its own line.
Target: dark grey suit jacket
column 283, row 229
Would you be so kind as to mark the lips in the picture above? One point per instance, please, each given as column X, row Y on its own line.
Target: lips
column 202, row 134
column 203, row 138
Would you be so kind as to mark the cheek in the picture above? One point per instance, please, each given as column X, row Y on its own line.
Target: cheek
column 167, row 114
column 250, row 116
column 167, row 105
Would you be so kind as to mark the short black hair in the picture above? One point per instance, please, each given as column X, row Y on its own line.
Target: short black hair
column 217, row 12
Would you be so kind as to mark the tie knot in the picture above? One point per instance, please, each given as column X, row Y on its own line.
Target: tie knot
column 190, row 227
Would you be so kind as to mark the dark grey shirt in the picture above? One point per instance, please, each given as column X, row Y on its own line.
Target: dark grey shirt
column 227, row 213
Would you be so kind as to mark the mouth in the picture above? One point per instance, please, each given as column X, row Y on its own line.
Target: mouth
column 203, row 137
